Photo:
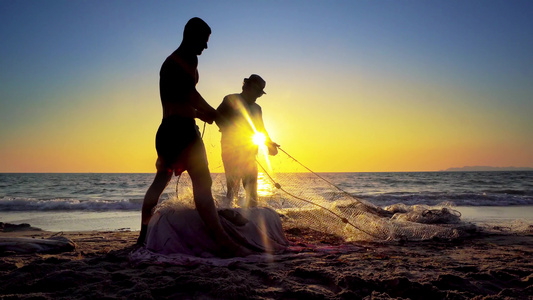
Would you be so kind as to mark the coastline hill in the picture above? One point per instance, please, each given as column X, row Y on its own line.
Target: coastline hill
column 487, row 168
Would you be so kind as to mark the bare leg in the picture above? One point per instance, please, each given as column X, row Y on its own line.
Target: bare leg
column 205, row 205
column 250, row 186
column 150, row 201
column 232, row 184
column 231, row 169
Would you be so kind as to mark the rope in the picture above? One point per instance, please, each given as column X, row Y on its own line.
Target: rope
column 203, row 130
column 317, row 175
column 278, row 186
column 338, row 188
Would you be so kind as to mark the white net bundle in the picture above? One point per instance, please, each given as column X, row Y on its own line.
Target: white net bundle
column 308, row 200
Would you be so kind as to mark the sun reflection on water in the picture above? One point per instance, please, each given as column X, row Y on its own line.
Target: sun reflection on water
column 265, row 188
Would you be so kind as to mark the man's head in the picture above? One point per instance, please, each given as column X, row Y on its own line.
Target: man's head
column 254, row 86
column 195, row 35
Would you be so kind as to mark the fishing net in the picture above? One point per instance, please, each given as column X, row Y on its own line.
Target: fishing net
column 308, row 200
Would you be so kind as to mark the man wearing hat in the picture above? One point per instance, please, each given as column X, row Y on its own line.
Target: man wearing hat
column 240, row 119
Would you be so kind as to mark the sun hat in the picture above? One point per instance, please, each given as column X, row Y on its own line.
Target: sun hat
column 256, row 81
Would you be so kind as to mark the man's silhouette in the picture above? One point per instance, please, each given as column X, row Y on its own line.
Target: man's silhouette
column 178, row 142
column 240, row 119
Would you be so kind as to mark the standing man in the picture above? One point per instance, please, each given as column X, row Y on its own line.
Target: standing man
column 178, row 142
column 240, row 119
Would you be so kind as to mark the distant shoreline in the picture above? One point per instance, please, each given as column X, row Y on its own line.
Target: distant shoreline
column 462, row 169
column 486, row 169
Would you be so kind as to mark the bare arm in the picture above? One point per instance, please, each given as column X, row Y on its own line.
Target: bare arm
column 204, row 111
column 260, row 126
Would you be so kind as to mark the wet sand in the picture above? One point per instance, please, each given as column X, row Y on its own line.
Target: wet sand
column 494, row 265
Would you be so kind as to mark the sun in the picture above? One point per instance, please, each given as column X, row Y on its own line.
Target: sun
column 259, row 138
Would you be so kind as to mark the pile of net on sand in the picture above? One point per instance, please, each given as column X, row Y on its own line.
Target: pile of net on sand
column 305, row 199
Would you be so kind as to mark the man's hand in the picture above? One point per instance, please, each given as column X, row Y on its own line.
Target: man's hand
column 272, row 148
column 208, row 118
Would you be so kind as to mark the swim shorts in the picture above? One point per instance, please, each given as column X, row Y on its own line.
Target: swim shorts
column 174, row 135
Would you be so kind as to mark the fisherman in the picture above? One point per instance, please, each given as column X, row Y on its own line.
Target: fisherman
column 240, row 121
column 178, row 142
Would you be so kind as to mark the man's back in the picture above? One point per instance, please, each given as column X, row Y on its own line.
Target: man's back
column 177, row 81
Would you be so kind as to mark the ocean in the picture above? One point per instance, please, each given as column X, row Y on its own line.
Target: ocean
column 108, row 201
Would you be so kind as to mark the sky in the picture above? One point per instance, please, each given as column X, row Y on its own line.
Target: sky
column 352, row 86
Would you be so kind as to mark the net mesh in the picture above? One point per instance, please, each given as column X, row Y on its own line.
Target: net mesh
column 305, row 199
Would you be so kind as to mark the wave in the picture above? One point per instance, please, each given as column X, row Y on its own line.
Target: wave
column 501, row 198
column 498, row 198
column 24, row 204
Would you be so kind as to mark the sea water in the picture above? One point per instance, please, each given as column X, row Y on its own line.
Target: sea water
column 91, row 201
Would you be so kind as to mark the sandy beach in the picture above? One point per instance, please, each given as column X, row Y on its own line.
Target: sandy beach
column 495, row 265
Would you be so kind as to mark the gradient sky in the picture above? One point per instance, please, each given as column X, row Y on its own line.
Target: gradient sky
column 352, row 86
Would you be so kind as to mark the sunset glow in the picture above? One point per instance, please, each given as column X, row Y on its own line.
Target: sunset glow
column 259, row 138
column 352, row 86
